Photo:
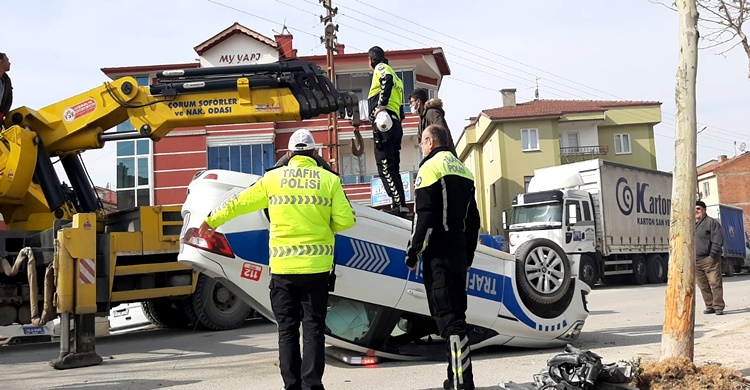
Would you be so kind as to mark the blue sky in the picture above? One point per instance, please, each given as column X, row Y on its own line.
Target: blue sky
column 584, row 49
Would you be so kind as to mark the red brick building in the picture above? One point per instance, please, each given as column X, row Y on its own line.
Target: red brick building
column 159, row 173
column 727, row 181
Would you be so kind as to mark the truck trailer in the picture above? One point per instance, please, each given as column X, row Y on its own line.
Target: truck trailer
column 612, row 220
column 733, row 226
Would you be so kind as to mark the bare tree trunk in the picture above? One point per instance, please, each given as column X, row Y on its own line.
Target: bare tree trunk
column 679, row 315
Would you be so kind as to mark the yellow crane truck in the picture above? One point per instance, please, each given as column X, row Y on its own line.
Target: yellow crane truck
column 62, row 255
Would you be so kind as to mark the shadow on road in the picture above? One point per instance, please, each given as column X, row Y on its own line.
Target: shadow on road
column 140, row 384
column 626, row 336
column 179, row 344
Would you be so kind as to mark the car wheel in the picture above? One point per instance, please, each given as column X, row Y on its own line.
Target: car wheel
column 640, row 273
column 542, row 271
column 166, row 313
column 588, row 272
column 655, row 269
column 216, row 307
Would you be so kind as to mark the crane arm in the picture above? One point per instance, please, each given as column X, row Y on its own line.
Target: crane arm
column 281, row 91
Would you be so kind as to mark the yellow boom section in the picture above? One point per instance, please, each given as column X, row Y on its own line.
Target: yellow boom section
column 285, row 91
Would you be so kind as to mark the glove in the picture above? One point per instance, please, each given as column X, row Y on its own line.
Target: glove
column 411, row 261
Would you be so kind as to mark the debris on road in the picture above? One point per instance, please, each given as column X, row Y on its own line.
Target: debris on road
column 577, row 369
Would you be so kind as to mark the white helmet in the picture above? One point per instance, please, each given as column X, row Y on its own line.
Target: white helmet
column 383, row 121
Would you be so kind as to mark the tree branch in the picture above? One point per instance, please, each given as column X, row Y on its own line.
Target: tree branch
column 663, row 5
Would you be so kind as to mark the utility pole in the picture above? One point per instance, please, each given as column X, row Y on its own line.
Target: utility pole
column 329, row 39
column 678, row 335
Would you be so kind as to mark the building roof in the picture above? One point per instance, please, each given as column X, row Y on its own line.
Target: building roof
column 392, row 55
column 714, row 165
column 148, row 68
column 234, row 29
column 547, row 108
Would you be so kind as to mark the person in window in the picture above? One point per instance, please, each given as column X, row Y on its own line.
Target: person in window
column 6, row 88
column 387, row 96
column 430, row 113
column 709, row 241
column 445, row 233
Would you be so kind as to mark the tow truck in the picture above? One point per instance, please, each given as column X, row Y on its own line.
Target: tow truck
column 60, row 244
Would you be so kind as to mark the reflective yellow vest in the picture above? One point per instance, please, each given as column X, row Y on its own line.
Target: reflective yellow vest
column 378, row 87
column 306, row 206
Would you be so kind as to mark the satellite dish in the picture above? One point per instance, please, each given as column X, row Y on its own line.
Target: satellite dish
column 742, row 147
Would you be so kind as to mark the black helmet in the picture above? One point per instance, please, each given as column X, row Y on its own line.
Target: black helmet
column 377, row 55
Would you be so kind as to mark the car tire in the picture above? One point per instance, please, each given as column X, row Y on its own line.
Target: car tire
column 588, row 272
column 543, row 272
column 216, row 307
column 655, row 269
column 640, row 271
column 166, row 313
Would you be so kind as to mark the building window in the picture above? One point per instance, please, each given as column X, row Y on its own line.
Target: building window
column 360, row 83
column 573, row 140
column 529, row 139
column 491, row 153
column 353, row 169
column 133, row 174
column 526, row 182
column 706, row 189
column 622, row 144
column 253, row 159
column 494, row 195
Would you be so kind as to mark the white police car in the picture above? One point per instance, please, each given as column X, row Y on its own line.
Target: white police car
column 379, row 307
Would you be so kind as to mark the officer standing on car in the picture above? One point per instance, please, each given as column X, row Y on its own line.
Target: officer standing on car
column 445, row 232
column 386, row 97
column 306, row 206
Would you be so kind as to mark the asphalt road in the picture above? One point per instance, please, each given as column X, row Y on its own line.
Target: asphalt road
column 625, row 323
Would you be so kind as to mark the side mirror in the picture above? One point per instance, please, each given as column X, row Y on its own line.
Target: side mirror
column 572, row 214
column 505, row 220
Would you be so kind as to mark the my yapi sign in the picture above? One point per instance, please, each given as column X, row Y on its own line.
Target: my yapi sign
column 239, row 58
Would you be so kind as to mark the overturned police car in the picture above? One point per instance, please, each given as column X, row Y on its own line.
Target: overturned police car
column 379, row 307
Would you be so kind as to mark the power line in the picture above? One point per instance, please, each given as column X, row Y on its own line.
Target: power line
column 635, row 116
column 507, row 58
column 259, row 17
column 401, row 28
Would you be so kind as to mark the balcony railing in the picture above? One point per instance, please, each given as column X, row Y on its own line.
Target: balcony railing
column 585, row 150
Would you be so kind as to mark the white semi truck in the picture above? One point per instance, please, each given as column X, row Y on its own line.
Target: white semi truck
column 612, row 220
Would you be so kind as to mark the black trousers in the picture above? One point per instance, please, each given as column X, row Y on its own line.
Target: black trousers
column 388, row 160
column 445, row 282
column 304, row 298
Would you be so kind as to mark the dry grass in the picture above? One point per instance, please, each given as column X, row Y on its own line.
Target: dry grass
column 682, row 374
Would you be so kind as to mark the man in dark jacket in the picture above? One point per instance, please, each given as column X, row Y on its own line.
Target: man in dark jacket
column 445, row 231
column 430, row 113
column 709, row 241
column 6, row 88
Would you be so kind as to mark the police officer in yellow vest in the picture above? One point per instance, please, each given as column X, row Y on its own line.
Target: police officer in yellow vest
column 445, row 232
column 387, row 95
column 306, row 206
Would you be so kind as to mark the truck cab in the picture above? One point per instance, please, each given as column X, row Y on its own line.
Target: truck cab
column 561, row 216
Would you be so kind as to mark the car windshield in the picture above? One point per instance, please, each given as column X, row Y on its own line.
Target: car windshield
column 537, row 213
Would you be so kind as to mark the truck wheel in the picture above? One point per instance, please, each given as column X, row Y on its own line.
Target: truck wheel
column 166, row 313
column 655, row 269
column 640, row 271
column 216, row 307
column 728, row 266
column 588, row 272
column 542, row 271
